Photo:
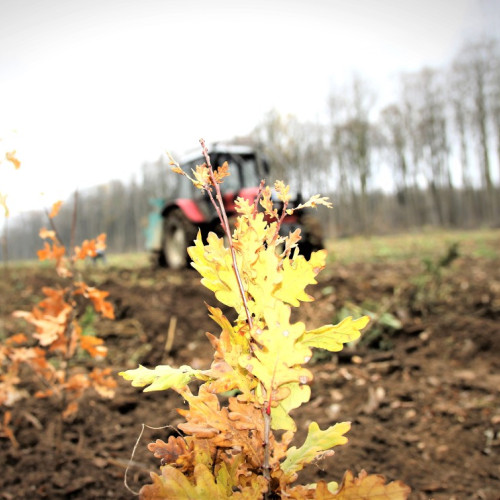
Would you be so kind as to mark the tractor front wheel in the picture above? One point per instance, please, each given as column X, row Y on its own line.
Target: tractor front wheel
column 178, row 234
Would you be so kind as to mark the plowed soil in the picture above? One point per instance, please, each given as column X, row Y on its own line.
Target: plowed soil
column 423, row 395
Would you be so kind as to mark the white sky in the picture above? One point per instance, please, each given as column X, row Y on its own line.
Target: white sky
column 89, row 89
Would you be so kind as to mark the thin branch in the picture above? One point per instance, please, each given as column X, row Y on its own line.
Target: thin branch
column 53, row 227
column 131, row 460
column 221, row 212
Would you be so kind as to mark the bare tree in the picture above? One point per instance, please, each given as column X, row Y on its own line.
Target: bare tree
column 476, row 66
column 297, row 151
column 392, row 123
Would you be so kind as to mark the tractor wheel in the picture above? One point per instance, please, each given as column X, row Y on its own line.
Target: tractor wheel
column 178, row 235
column 312, row 235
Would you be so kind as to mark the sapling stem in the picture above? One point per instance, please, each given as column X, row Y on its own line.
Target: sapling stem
column 221, row 212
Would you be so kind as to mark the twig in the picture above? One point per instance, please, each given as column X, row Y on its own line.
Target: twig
column 170, row 334
column 131, row 460
column 53, row 227
column 221, row 212
column 259, row 192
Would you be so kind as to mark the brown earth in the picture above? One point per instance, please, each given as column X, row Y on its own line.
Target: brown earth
column 423, row 396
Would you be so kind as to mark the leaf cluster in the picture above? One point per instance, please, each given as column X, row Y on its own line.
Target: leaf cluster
column 233, row 450
column 52, row 347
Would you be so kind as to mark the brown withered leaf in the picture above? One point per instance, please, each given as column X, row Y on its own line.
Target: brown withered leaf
column 221, row 172
column 175, row 452
column 206, row 420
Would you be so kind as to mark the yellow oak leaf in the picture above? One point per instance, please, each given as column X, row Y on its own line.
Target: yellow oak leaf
column 244, row 207
column 283, row 191
column 267, row 203
column 178, row 170
column 332, row 337
column 233, row 340
column 280, row 417
column 297, row 274
column 214, row 262
column 173, row 484
column 277, row 360
column 3, row 203
column 312, row 202
column 201, row 176
column 262, row 280
column 162, row 377
column 248, row 239
column 317, row 442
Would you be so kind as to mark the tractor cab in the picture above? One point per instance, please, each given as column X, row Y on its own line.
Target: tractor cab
column 175, row 222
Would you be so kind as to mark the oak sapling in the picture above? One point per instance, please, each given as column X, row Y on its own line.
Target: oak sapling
column 50, row 351
column 233, row 450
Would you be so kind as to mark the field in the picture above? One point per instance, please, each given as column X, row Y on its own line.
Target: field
column 422, row 389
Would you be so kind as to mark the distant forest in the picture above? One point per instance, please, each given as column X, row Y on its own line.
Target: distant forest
column 429, row 158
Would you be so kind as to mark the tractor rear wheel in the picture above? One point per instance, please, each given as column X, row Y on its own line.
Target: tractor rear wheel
column 178, row 234
column 312, row 235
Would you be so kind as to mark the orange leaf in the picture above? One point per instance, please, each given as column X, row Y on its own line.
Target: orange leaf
column 6, row 429
column 19, row 338
column 178, row 170
column 103, row 382
column 51, row 252
column 93, row 345
column 71, row 409
column 100, row 242
column 13, row 159
column 101, row 305
column 44, row 394
column 77, row 383
column 88, row 249
column 221, row 172
column 47, row 234
column 55, row 209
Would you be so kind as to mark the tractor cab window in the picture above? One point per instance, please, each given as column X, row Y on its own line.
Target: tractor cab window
column 232, row 183
column 244, row 171
column 250, row 169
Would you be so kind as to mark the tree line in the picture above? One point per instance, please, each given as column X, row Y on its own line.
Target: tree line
column 429, row 157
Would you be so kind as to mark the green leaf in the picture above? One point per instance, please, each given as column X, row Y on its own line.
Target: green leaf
column 317, row 442
column 162, row 377
column 332, row 337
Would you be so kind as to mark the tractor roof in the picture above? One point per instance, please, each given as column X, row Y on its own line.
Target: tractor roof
column 218, row 148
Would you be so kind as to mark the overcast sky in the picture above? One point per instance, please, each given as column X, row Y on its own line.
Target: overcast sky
column 89, row 89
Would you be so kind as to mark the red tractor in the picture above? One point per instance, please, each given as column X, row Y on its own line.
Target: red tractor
column 174, row 224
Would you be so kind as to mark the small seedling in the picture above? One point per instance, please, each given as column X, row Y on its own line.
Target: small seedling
column 242, row 450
